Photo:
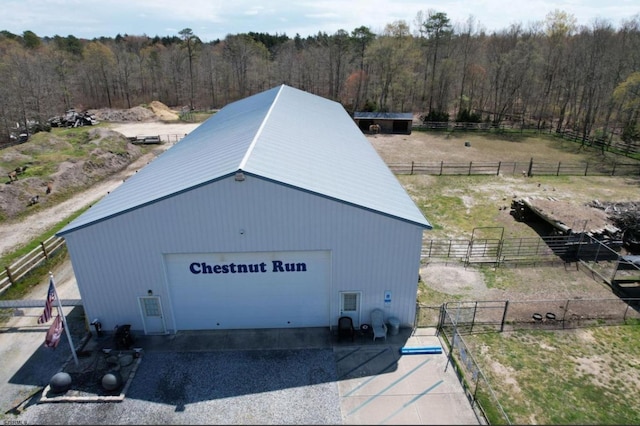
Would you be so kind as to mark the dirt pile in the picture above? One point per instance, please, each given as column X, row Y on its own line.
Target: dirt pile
column 107, row 152
column 163, row 112
column 155, row 111
column 122, row 115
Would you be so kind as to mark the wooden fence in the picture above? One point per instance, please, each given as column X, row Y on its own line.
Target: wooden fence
column 13, row 273
column 516, row 168
column 598, row 142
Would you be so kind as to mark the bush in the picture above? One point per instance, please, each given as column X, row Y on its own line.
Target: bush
column 438, row 116
column 465, row 116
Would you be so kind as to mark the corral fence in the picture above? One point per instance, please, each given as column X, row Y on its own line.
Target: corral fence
column 530, row 250
column 509, row 315
column 16, row 271
column 457, row 319
column 599, row 142
column 602, row 259
column 516, row 168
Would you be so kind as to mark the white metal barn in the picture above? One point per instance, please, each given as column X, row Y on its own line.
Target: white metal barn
column 275, row 212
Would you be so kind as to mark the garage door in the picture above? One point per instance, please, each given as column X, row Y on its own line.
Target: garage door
column 249, row 290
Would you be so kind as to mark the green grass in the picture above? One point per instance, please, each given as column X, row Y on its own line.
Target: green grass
column 455, row 207
column 587, row 376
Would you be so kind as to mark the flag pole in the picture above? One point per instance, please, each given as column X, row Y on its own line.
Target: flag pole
column 64, row 320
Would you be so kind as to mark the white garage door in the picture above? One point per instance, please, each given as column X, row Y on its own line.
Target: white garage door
column 249, row 290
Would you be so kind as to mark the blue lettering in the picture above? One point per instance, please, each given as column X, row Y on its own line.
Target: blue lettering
column 241, row 268
column 279, row 266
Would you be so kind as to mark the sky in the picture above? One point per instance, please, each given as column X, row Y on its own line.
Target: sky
column 214, row 19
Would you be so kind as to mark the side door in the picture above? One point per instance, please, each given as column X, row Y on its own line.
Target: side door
column 152, row 317
column 350, row 306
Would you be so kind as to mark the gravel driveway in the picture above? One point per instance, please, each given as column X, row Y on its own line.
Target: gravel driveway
column 224, row 387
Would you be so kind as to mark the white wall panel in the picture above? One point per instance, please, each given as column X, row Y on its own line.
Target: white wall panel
column 120, row 259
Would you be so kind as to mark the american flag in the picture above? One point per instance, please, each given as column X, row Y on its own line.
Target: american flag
column 55, row 332
column 51, row 297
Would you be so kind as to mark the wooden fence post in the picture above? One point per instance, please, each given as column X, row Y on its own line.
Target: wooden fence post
column 586, row 167
column 498, row 172
column 441, row 164
column 412, row 167
column 530, row 167
column 44, row 250
column 470, row 163
column 558, row 171
column 9, row 275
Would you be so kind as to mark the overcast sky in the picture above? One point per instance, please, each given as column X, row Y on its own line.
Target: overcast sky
column 214, row 19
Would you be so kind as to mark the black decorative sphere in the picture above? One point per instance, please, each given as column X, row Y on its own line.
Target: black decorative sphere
column 112, row 380
column 60, row 382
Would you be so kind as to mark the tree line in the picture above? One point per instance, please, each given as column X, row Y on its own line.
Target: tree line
column 553, row 75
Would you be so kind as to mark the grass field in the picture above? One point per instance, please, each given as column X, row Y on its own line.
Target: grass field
column 580, row 376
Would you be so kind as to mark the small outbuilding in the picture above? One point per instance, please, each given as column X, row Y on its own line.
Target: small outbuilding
column 259, row 218
column 384, row 122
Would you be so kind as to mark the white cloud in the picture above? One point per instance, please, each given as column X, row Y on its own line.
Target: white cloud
column 217, row 18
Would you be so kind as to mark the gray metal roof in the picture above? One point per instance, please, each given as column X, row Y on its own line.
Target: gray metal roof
column 382, row 115
column 269, row 135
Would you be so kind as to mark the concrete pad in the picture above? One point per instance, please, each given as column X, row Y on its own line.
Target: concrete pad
column 379, row 385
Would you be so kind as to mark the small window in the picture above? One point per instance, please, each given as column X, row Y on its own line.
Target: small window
column 350, row 301
column 151, row 307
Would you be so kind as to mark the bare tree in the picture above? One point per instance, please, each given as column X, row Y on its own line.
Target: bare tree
column 238, row 52
column 125, row 61
column 361, row 38
column 100, row 62
column 389, row 56
column 435, row 29
column 192, row 44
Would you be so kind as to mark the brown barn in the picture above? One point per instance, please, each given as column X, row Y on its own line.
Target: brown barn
column 384, row 122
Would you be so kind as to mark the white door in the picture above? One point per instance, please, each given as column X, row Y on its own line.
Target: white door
column 152, row 318
column 350, row 306
column 225, row 291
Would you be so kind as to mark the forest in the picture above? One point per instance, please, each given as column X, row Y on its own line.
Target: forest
column 554, row 75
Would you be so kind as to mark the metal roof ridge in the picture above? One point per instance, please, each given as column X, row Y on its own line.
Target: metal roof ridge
column 247, row 154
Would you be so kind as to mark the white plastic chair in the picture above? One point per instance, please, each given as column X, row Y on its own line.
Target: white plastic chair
column 378, row 325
